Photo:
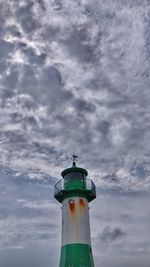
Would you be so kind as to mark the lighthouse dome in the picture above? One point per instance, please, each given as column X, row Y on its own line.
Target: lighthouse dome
column 74, row 173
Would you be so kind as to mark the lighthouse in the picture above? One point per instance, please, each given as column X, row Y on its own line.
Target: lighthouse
column 75, row 192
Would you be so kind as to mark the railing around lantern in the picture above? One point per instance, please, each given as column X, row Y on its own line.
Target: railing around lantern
column 86, row 184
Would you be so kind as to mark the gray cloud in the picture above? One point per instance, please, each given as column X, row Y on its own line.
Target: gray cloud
column 110, row 235
column 59, row 77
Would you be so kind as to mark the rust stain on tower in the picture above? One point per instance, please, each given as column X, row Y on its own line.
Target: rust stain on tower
column 72, row 206
column 82, row 203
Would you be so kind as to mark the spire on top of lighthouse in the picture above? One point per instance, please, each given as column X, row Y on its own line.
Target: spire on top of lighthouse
column 74, row 160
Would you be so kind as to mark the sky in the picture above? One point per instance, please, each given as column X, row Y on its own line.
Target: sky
column 74, row 78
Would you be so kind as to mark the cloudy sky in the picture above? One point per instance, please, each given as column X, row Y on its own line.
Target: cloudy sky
column 74, row 78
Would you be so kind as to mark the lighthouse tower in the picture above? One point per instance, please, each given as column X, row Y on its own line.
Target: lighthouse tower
column 75, row 191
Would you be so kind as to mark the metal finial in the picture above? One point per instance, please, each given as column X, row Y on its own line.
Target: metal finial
column 74, row 160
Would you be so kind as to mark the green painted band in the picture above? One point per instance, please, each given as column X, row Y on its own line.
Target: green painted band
column 88, row 194
column 75, row 193
column 76, row 255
